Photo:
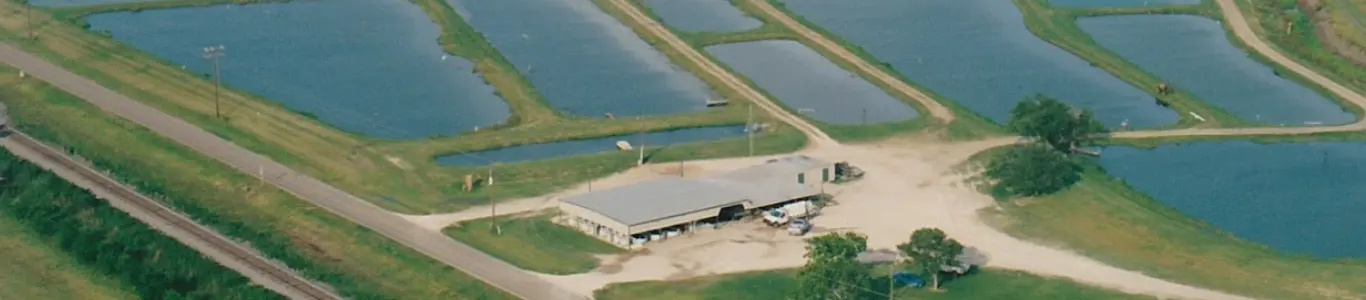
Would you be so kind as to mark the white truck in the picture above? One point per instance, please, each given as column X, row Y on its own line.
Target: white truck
column 780, row 216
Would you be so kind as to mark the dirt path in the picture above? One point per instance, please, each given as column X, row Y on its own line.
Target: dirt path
column 935, row 108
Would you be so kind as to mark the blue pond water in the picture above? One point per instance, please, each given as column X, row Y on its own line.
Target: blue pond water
column 367, row 66
column 1117, row 3
column 1300, row 198
column 978, row 53
column 806, row 81
column 56, row 3
column 589, row 146
column 584, row 61
column 702, row 15
column 1194, row 53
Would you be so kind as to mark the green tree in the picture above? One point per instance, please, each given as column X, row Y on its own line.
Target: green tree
column 1054, row 123
column 831, row 271
column 1031, row 170
column 929, row 250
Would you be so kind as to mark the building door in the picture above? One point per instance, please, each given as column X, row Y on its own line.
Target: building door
column 825, row 175
column 801, row 178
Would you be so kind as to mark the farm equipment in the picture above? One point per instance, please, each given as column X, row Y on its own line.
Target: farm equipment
column 846, row 172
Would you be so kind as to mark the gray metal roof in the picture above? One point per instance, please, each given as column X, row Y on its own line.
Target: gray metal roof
column 656, row 199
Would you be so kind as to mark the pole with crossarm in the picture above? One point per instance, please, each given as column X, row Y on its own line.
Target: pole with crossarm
column 213, row 53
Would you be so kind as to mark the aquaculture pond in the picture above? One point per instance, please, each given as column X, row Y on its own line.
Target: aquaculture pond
column 366, row 66
column 1118, row 3
column 1193, row 53
column 590, row 146
column 809, row 83
column 1300, row 198
column 702, row 15
column 979, row 53
column 582, row 60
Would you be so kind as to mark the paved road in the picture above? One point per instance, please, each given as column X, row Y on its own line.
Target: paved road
column 935, row 108
column 816, row 137
column 173, row 227
column 434, row 244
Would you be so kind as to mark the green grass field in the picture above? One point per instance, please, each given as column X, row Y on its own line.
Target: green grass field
column 32, row 269
column 778, row 285
column 1105, row 219
column 534, row 243
column 398, row 175
column 357, row 262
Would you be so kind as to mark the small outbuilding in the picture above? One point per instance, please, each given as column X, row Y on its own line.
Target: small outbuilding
column 636, row 212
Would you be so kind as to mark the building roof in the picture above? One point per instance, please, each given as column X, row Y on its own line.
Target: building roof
column 760, row 185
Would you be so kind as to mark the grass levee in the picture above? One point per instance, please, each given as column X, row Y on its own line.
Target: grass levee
column 398, row 175
column 1104, row 218
column 778, row 285
column 357, row 262
column 534, row 243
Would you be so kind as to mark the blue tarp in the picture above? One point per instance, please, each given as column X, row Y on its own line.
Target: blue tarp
column 909, row 279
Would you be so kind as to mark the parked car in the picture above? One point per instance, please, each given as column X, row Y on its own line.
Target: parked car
column 798, row 227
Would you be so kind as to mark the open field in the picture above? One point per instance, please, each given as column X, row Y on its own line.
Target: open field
column 772, row 29
column 777, row 285
column 32, row 269
column 534, row 243
column 1105, row 219
column 398, row 175
column 1340, row 25
column 358, row 262
column 1269, row 19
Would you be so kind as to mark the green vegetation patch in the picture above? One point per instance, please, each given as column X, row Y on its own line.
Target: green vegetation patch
column 397, row 175
column 34, row 269
column 533, row 243
column 357, row 262
column 106, row 240
column 779, row 285
column 1103, row 218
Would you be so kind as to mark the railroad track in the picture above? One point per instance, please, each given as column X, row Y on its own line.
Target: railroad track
column 237, row 252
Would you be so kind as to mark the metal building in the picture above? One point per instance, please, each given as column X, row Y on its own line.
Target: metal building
column 643, row 209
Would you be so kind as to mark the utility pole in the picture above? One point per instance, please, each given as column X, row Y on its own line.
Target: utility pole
column 749, row 129
column 865, row 116
column 641, row 159
column 28, row 20
column 213, row 53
